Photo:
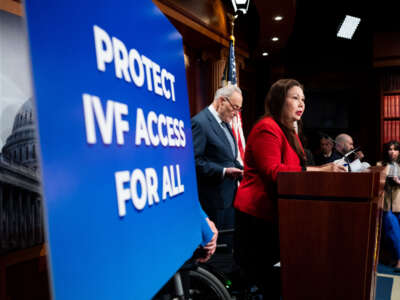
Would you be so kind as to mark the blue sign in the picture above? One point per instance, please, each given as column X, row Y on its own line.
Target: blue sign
column 116, row 146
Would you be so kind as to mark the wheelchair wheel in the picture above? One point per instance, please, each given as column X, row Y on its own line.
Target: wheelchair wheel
column 201, row 284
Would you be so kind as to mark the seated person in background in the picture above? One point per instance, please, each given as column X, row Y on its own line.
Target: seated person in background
column 326, row 154
column 391, row 214
column 344, row 144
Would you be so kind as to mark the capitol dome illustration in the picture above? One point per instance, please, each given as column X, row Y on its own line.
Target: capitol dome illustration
column 21, row 220
column 20, row 147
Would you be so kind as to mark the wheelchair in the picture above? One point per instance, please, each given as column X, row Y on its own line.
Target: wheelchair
column 207, row 281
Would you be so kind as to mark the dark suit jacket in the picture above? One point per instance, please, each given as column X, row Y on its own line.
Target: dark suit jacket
column 213, row 153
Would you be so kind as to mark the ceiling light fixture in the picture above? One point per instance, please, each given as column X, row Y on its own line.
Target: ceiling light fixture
column 348, row 27
column 265, row 54
column 241, row 6
column 275, row 39
column 278, row 18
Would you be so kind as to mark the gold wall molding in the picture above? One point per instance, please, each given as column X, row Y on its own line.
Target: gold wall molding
column 12, row 6
column 189, row 20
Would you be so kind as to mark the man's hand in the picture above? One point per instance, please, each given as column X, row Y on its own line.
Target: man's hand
column 212, row 245
column 234, row 173
column 359, row 155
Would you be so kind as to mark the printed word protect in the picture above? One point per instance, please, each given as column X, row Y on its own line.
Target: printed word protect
column 131, row 66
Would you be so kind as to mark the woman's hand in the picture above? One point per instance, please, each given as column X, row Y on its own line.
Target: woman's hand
column 330, row 167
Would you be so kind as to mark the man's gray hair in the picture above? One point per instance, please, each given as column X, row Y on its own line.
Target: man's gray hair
column 227, row 91
column 341, row 138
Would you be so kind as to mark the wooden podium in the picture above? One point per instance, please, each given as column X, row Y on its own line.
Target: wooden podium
column 329, row 233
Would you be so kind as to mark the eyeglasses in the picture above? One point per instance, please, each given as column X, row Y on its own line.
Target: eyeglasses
column 234, row 107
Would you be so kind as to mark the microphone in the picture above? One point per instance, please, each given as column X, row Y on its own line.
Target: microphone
column 352, row 151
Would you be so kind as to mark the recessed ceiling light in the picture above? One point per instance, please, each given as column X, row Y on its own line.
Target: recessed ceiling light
column 275, row 39
column 348, row 27
column 265, row 54
column 278, row 18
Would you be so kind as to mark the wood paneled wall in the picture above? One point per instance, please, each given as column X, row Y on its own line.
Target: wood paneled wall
column 206, row 43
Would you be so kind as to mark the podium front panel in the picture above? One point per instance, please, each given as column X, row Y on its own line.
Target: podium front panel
column 329, row 241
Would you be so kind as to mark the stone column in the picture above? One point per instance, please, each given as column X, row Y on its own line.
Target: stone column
column 39, row 219
column 217, row 65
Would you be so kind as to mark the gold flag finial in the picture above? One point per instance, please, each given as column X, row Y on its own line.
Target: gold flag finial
column 232, row 18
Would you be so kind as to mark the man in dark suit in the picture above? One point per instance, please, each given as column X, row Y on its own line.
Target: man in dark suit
column 215, row 152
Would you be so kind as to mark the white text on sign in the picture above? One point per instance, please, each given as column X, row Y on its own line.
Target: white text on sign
column 131, row 66
column 152, row 129
column 147, row 183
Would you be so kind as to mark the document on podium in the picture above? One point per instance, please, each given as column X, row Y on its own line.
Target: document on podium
column 355, row 166
column 358, row 166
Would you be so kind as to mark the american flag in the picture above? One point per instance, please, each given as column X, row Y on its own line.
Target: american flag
column 229, row 78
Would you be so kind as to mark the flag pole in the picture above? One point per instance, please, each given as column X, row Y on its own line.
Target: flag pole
column 231, row 78
column 232, row 18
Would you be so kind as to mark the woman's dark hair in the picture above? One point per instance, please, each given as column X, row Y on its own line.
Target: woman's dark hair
column 386, row 148
column 273, row 105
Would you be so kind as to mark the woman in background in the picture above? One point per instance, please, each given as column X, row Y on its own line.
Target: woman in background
column 391, row 214
column 273, row 146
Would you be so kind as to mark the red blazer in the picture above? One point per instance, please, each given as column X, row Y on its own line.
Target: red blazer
column 268, row 152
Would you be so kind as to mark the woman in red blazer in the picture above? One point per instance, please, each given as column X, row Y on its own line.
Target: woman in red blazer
column 273, row 146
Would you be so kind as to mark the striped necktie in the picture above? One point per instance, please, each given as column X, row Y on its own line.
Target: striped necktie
column 227, row 129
